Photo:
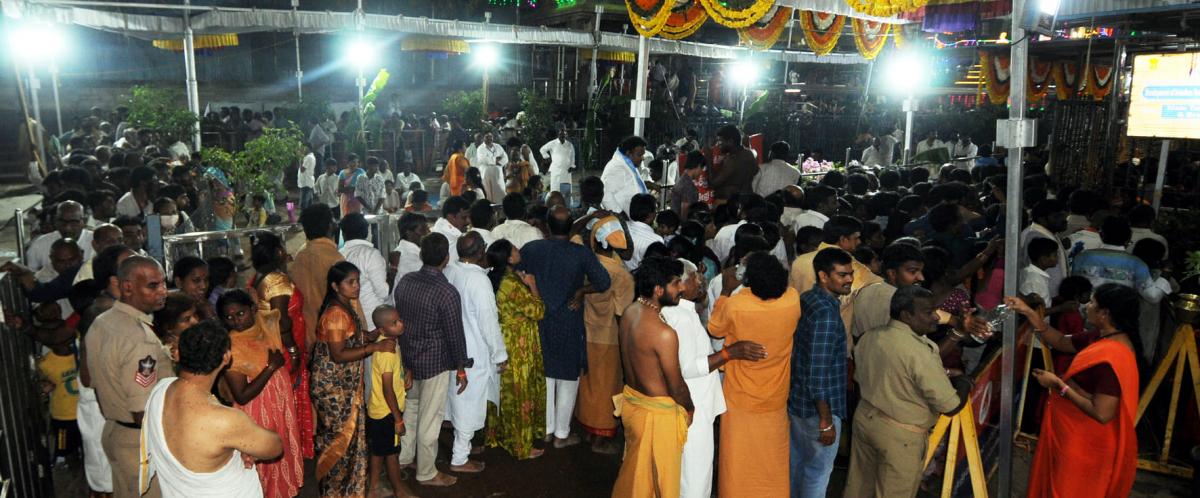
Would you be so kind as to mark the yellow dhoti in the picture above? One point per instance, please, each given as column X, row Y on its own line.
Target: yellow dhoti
column 655, row 430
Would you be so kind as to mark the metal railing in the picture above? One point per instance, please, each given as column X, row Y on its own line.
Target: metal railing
column 24, row 458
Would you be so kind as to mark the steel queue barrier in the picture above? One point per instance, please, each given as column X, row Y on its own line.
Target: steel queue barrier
column 24, row 453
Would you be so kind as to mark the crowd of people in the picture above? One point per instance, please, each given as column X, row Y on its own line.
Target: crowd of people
column 697, row 298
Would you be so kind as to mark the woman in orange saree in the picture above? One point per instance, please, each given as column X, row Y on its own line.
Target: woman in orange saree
column 337, row 387
column 258, row 385
column 1088, row 444
column 275, row 291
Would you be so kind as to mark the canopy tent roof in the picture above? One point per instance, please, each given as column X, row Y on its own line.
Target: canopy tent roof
column 237, row 20
column 1078, row 9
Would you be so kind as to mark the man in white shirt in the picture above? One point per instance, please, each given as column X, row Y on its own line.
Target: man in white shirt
column 699, row 363
column 822, row 201
column 318, row 139
column 327, row 184
column 405, row 178
column 483, row 218
column 456, row 217
column 776, row 173
column 373, row 286
column 1141, row 221
column 1049, row 218
column 1042, row 254
column 929, row 143
column 642, row 210
column 882, row 148
column 491, row 159
column 68, row 223
column 562, row 160
column 139, row 201
column 473, row 148
column 467, row 409
column 306, row 178
column 515, row 229
column 103, row 237
column 620, row 176
column 965, row 148
column 412, row 228
column 1088, row 238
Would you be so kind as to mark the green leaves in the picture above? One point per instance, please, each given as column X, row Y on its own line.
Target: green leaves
column 159, row 109
column 259, row 167
column 539, row 117
column 467, row 107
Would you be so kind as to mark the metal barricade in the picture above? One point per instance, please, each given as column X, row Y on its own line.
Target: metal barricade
column 24, row 457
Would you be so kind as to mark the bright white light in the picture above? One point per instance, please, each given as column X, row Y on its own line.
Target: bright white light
column 36, row 43
column 485, row 56
column 743, row 73
column 908, row 72
column 1049, row 7
column 360, row 53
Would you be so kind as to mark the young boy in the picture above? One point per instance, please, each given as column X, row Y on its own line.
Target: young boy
column 385, row 420
column 666, row 224
column 1043, row 254
column 391, row 202
column 59, row 374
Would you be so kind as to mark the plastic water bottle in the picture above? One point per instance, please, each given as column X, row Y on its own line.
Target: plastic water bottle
column 996, row 317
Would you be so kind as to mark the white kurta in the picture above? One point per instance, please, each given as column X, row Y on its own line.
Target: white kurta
column 37, row 254
column 410, row 261
column 707, row 396
column 620, row 184
column 485, row 345
column 643, row 236
column 562, row 159
column 452, row 234
column 372, row 277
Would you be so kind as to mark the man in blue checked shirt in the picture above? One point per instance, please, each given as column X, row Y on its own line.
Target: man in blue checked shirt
column 817, row 401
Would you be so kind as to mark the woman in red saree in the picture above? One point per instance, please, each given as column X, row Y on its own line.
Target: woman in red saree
column 275, row 291
column 258, row 385
column 1088, row 445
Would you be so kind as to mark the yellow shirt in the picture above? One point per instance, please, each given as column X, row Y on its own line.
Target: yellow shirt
column 385, row 363
column 62, row 372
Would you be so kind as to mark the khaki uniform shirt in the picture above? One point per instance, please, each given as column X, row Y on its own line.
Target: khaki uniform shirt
column 125, row 360
column 872, row 308
column 601, row 309
column 901, row 374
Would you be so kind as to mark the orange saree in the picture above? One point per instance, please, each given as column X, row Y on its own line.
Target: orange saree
column 1078, row 456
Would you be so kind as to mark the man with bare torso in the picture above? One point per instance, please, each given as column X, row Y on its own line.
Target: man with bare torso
column 655, row 407
column 196, row 446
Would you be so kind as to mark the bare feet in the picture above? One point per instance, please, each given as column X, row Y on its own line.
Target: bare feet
column 471, row 467
column 536, row 452
column 571, row 440
column 440, row 480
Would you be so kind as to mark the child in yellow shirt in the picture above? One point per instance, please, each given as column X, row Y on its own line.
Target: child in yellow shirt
column 385, row 406
column 60, row 373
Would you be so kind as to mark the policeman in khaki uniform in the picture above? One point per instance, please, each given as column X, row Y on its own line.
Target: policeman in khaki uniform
column 125, row 360
column 904, row 389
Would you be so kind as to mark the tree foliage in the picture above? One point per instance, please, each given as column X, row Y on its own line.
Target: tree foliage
column 539, row 117
column 259, row 167
column 467, row 107
column 159, row 109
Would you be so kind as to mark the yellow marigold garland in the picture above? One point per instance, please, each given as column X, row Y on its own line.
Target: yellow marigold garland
column 1099, row 81
column 649, row 26
column 1066, row 79
column 737, row 18
column 997, row 90
column 820, row 41
column 869, row 47
column 763, row 37
column 683, row 23
column 1038, row 80
column 885, row 8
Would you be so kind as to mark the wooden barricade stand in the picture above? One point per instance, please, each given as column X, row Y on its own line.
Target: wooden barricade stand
column 1182, row 354
column 1025, row 439
column 961, row 426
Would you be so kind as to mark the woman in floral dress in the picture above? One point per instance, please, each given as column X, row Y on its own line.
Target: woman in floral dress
column 520, row 420
column 257, row 384
column 337, row 387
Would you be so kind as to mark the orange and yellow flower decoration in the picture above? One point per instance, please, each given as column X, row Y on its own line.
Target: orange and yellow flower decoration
column 763, row 35
column 822, row 30
column 870, row 37
column 684, row 20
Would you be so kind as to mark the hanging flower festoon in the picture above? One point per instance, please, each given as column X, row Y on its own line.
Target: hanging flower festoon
column 995, row 76
column 822, row 30
column 737, row 13
column 686, row 17
column 1037, row 81
column 1099, row 81
column 648, row 16
column 1066, row 79
column 763, row 34
column 870, row 37
column 886, row 8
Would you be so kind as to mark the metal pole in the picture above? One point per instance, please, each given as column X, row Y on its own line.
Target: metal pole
column 189, row 62
column 22, row 240
column 57, row 103
column 1161, row 173
column 38, row 138
column 296, row 37
column 1018, row 67
column 791, row 28
column 594, row 85
column 910, row 107
column 640, row 108
column 485, row 88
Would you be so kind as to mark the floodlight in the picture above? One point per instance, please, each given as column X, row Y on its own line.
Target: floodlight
column 485, row 55
column 35, row 42
column 360, row 53
column 1049, row 7
column 908, row 72
column 744, row 73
